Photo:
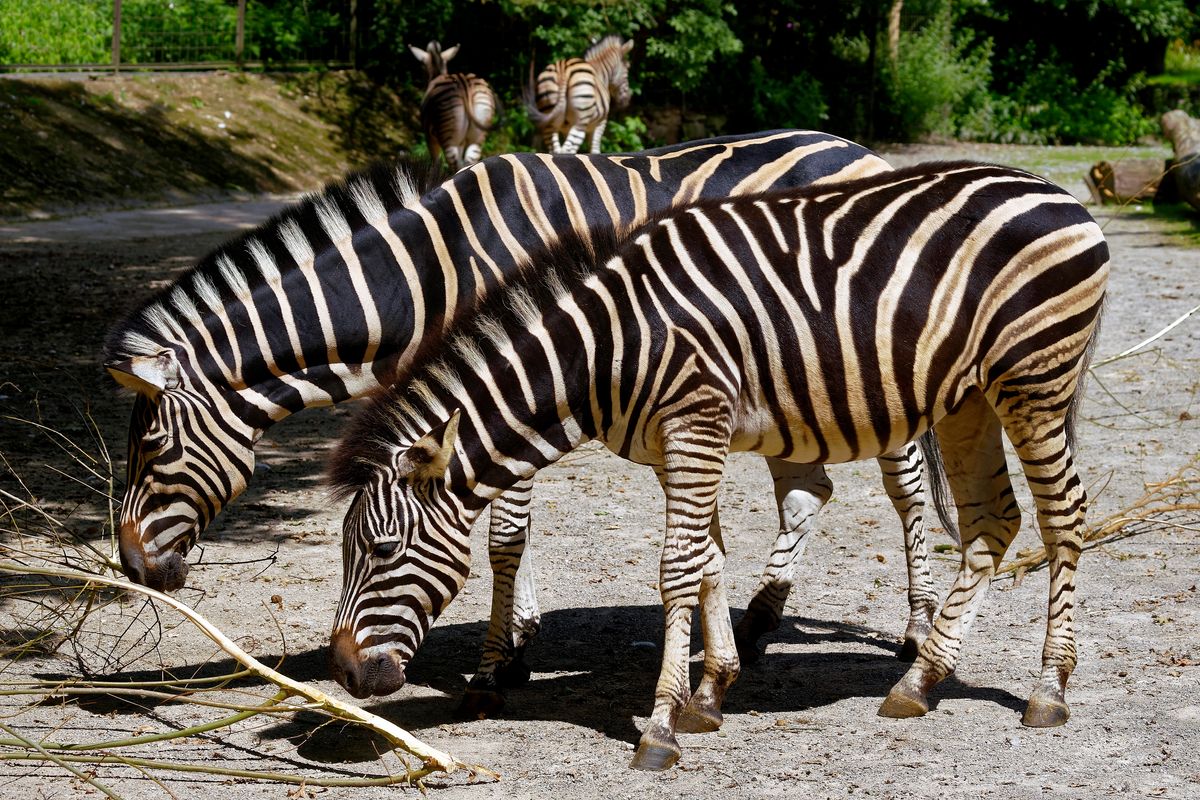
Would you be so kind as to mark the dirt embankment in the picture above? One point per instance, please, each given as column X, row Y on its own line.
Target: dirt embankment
column 112, row 141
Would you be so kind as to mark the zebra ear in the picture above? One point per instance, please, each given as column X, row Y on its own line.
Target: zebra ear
column 449, row 53
column 429, row 457
column 420, row 54
column 147, row 375
column 627, row 46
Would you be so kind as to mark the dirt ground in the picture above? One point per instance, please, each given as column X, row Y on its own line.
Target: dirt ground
column 799, row 723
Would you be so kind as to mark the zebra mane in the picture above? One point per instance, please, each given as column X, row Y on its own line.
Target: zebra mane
column 609, row 42
column 402, row 413
column 244, row 262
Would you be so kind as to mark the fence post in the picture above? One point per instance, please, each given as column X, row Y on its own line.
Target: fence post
column 116, row 39
column 240, row 42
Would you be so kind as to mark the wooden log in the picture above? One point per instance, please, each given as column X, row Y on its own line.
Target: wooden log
column 1131, row 180
column 1184, row 133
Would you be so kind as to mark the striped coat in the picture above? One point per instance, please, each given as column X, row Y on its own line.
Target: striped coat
column 457, row 111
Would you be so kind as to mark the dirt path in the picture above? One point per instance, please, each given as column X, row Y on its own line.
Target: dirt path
column 800, row 723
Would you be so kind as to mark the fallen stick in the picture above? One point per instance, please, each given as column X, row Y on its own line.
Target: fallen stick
column 434, row 760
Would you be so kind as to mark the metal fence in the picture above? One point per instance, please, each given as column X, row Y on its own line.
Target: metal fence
column 115, row 35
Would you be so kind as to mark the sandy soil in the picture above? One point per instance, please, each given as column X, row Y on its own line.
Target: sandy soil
column 801, row 722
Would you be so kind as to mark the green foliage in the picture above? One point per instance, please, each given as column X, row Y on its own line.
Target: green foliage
column 699, row 35
column 792, row 102
column 624, row 135
column 936, row 79
column 1050, row 107
column 55, row 32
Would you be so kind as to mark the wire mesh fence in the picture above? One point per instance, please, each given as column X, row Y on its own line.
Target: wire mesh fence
column 158, row 34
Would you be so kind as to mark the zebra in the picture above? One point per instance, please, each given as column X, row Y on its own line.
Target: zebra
column 821, row 324
column 572, row 96
column 457, row 110
column 323, row 303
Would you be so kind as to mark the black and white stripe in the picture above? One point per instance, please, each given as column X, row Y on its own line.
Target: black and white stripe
column 571, row 98
column 457, row 110
column 325, row 303
column 817, row 325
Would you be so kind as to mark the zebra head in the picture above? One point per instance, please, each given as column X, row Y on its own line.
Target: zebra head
column 613, row 55
column 188, row 458
column 405, row 555
column 434, row 58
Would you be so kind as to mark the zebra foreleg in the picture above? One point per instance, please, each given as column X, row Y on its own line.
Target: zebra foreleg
column 902, row 472
column 516, row 618
column 989, row 518
column 690, row 569
column 800, row 492
column 474, row 151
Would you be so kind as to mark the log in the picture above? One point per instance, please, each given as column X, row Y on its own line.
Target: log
column 1131, row 180
column 1184, row 133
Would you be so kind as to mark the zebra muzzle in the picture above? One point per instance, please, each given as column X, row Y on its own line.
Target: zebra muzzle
column 361, row 674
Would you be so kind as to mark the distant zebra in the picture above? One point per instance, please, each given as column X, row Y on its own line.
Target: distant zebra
column 457, row 110
column 572, row 96
column 818, row 325
column 325, row 302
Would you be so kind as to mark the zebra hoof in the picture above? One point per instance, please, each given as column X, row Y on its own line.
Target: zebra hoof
column 479, row 704
column 655, row 756
column 908, row 651
column 698, row 720
column 1045, row 713
column 514, row 673
column 901, row 703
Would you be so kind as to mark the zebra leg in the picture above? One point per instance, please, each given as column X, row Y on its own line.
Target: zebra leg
column 1045, row 452
column 474, row 151
column 691, row 568
column 989, row 518
column 552, row 142
column 902, row 472
column 575, row 138
column 702, row 714
column 800, row 492
column 515, row 618
column 454, row 157
column 597, row 133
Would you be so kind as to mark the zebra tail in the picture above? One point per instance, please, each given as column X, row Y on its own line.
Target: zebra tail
column 1084, row 366
column 939, row 487
column 529, row 97
column 496, row 118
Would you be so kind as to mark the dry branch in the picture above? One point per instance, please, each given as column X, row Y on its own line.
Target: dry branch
column 1173, row 504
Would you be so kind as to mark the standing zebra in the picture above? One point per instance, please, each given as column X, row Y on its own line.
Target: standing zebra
column 818, row 325
column 325, row 302
column 457, row 110
column 572, row 96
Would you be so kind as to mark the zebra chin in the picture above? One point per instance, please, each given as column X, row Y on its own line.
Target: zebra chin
column 363, row 675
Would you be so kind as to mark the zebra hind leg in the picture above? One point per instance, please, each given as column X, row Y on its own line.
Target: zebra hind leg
column 574, row 140
column 515, row 618
column 597, row 135
column 902, row 480
column 800, row 492
column 989, row 518
column 1047, row 458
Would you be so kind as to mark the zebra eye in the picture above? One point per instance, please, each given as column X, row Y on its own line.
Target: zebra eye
column 155, row 442
column 385, row 549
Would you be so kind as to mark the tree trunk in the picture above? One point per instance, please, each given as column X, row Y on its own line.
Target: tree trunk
column 893, row 32
column 1131, row 180
column 1184, row 133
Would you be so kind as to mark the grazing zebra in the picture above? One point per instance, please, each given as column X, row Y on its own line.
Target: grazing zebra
column 572, row 96
column 324, row 303
column 824, row 324
column 457, row 110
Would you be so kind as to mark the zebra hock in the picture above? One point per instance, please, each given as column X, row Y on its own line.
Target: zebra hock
column 818, row 325
column 324, row 302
